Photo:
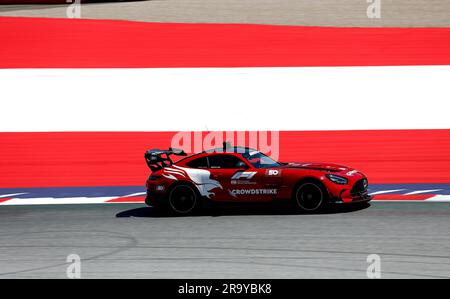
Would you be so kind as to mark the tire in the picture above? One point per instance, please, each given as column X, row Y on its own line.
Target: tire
column 310, row 197
column 183, row 199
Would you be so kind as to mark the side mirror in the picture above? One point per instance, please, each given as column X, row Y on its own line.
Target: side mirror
column 242, row 165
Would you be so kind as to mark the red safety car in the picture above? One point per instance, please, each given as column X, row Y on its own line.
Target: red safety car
column 238, row 174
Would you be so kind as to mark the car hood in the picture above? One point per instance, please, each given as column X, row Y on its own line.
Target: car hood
column 327, row 167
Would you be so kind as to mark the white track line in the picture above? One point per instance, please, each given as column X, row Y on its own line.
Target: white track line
column 104, row 200
column 10, row 195
column 422, row 191
column 135, row 194
column 56, row 201
column 386, row 191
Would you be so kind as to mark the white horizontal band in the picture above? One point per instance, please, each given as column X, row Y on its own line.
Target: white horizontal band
column 219, row 99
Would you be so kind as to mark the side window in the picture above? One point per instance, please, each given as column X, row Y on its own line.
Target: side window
column 224, row 161
column 198, row 163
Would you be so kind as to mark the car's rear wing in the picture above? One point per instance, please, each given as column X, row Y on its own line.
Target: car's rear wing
column 157, row 159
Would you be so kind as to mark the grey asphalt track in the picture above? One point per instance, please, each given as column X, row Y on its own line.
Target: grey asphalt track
column 399, row 13
column 131, row 241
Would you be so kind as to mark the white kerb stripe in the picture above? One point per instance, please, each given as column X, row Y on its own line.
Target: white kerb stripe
column 11, row 195
column 385, row 191
column 422, row 191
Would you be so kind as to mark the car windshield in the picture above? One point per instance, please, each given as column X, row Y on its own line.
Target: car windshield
column 259, row 160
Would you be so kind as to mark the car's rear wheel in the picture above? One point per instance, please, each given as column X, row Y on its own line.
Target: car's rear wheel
column 183, row 199
column 309, row 197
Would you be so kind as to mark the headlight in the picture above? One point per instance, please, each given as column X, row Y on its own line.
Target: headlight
column 337, row 179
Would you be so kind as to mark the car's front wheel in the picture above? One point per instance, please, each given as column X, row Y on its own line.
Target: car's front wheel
column 183, row 199
column 309, row 197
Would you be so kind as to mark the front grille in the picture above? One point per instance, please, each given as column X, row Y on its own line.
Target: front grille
column 359, row 188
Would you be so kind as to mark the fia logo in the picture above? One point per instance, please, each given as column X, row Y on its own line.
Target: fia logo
column 246, row 175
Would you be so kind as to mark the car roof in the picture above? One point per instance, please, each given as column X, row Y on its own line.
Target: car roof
column 235, row 151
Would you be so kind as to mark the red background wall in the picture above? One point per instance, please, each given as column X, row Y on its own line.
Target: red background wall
column 116, row 158
column 49, row 43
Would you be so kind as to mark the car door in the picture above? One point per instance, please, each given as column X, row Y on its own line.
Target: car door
column 239, row 180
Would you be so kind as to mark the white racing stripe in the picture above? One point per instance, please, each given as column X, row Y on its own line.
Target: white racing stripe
column 309, row 98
